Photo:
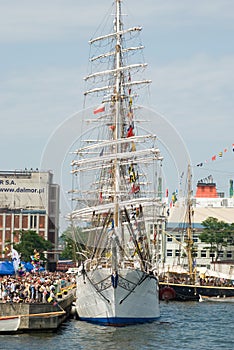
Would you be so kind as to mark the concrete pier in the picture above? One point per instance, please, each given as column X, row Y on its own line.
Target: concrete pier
column 40, row 316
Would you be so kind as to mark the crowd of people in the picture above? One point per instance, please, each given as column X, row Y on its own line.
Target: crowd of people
column 216, row 282
column 40, row 287
column 201, row 280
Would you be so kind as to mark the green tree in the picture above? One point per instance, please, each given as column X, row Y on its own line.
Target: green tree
column 29, row 241
column 74, row 242
column 218, row 234
column 69, row 248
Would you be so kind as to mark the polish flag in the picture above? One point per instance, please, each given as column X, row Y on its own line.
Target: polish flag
column 99, row 109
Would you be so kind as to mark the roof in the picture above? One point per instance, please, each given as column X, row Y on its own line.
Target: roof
column 177, row 215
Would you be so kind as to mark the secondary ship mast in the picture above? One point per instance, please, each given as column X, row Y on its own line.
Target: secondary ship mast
column 189, row 239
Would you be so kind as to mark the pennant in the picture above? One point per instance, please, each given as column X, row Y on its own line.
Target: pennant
column 112, row 128
column 213, row 158
column 233, row 147
column 132, row 174
column 130, row 132
column 174, row 197
column 99, row 109
column 225, row 150
column 130, row 115
column 135, row 188
column 100, row 197
column 200, row 164
column 220, row 154
column 133, row 149
column 155, row 234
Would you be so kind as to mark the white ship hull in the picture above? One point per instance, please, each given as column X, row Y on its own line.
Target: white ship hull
column 134, row 299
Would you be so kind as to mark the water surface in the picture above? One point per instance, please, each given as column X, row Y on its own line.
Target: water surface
column 188, row 326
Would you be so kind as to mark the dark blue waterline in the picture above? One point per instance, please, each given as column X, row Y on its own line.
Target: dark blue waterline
column 118, row 321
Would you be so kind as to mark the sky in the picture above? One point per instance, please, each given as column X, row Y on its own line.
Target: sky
column 190, row 55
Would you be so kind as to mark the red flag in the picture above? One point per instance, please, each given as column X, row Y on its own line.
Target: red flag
column 99, row 109
column 100, row 197
column 130, row 132
column 112, row 128
column 213, row 158
column 135, row 188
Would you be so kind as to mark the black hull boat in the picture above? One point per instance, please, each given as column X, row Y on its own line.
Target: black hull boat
column 187, row 292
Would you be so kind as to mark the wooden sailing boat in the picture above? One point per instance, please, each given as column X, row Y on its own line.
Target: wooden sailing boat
column 216, row 299
column 9, row 324
column 116, row 200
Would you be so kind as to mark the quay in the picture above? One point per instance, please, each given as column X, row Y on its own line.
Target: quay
column 35, row 302
column 45, row 317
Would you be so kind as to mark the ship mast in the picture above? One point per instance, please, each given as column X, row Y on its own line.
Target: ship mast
column 114, row 189
column 117, row 134
column 189, row 227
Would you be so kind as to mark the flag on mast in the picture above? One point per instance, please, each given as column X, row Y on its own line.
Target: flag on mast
column 15, row 258
column 99, row 109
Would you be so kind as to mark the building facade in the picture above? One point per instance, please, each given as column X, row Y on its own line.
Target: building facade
column 29, row 200
column 207, row 202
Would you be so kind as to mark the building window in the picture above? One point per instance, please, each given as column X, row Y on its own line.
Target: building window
column 203, row 253
column 169, row 239
column 221, row 254
column 229, row 254
column 169, row 252
column 177, row 252
column 33, row 221
column 8, row 236
column 230, row 241
column 212, row 254
column 42, row 222
column 178, row 238
column 8, row 221
column 16, row 221
column 151, row 229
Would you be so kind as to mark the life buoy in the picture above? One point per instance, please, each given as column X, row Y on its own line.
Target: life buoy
column 167, row 293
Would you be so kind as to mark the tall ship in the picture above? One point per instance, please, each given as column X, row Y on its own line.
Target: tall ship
column 116, row 177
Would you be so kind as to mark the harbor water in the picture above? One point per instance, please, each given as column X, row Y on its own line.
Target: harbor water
column 191, row 325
